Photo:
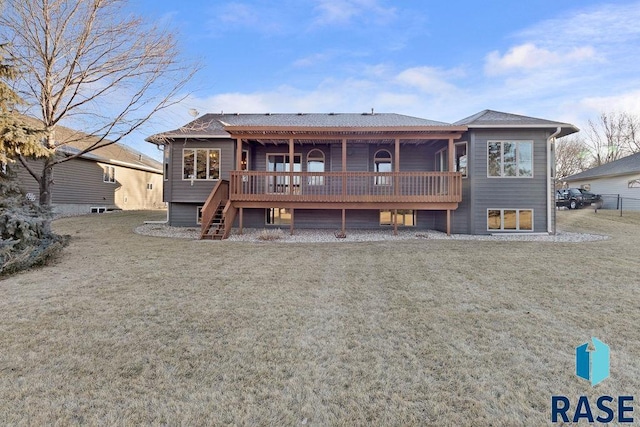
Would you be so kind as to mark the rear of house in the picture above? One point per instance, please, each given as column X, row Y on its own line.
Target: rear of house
column 491, row 172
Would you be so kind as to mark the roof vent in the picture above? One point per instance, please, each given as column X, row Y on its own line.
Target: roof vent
column 332, row 114
column 267, row 114
column 301, row 114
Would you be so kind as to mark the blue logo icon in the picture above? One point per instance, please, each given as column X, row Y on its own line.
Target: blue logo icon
column 593, row 365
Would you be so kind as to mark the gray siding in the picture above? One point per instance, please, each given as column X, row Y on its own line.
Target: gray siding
column 181, row 189
column 183, row 214
column 506, row 193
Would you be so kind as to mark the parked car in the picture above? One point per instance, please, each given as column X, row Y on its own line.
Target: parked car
column 570, row 197
column 589, row 197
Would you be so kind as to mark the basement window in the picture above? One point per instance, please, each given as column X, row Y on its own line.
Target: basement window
column 510, row 219
column 98, row 209
column 405, row 217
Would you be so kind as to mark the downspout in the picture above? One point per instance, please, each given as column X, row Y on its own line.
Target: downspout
column 550, row 193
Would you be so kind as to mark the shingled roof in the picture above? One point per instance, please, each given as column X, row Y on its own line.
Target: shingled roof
column 212, row 125
column 624, row 166
column 498, row 119
column 115, row 153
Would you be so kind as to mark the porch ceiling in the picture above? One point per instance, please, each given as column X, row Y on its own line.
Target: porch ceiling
column 323, row 135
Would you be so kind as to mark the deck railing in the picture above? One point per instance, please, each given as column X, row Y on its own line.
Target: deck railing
column 344, row 187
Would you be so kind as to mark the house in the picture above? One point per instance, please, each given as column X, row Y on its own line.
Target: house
column 489, row 173
column 614, row 180
column 108, row 178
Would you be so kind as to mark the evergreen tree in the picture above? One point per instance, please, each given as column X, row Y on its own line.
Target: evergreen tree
column 16, row 137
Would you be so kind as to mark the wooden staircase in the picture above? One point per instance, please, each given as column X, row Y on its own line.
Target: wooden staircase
column 218, row 213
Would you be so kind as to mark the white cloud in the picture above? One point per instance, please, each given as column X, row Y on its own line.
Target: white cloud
column 528, row 56
column 429, row 80
column 340, row 12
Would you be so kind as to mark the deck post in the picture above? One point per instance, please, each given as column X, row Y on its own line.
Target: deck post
column 240, row 220
column 452, row 155
column 291, row 226
column 291, row 163
column 448, row 222
column 344, row 221
column 395, row 221
column 344, row 166
column 396, row 167
column 238, row 154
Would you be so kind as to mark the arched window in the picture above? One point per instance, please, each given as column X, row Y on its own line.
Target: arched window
column 315, row 163
column 382, row 163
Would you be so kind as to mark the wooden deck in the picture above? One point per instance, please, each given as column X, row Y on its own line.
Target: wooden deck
column 346, row 187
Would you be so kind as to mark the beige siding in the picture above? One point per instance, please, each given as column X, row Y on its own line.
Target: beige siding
column 80, row 182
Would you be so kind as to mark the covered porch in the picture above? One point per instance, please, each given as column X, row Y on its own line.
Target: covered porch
column 437, row 186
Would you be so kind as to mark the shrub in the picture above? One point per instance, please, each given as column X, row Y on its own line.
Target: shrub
column 24, row 241
column 271, row 234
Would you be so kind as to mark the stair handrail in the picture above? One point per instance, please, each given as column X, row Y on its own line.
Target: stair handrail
column 229, row 215
column 220, row 193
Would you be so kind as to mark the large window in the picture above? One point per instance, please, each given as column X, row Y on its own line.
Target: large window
column 510, row 159
column 382, row 163
column 200, row 163
column 315, row 163
column 510, row 219
column 405, row 217
column 281, row 163
column 109, row 174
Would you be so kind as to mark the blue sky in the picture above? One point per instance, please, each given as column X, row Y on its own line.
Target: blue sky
column 446, row 60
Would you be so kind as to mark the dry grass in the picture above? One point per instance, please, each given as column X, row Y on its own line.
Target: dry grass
column 128, row 329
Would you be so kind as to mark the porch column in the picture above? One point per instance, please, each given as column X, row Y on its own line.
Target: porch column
column 396, row 168
column 240, row 220
column 448, row 222
column 452, row 155
column 344, row 166
column 344, row 221
column 395, row 221
column 238, row 154
column 291, row 163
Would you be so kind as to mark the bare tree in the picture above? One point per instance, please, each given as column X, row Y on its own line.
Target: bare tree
column 93, row 62
column 612, row 136
column 572, row 156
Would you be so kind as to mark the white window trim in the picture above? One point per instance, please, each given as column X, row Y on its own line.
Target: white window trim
column 517, row 229
column 382, row 180
column 502, row 141
column 316, row 180
column 194, row 164
column 466, row 144
column 111, row 177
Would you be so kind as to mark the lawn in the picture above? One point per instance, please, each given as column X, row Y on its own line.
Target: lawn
column 127, row 329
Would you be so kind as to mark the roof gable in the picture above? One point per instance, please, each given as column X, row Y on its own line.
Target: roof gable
column 497, row 119
column 624, row 166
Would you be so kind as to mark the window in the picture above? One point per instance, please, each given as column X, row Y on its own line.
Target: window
column 635, row 183
column 405, row 217
column 166, row 163
column 200, row 163
column 199, row 214
column 510, row 159
column 315, row 163
column 278, row 216
column 279, row 183
column 149, row 186
column 442, row 160
column 382, row 163
column 510, row 219
column 461, row 158
column 109, row 174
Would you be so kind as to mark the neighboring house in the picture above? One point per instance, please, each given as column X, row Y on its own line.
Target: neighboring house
column 489, row 173
column 108, row 178
column 620, row 179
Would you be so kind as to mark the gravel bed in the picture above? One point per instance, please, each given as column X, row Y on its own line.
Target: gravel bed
column 312, row 236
